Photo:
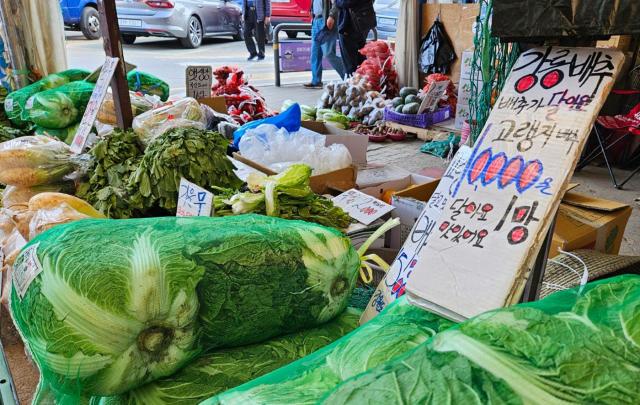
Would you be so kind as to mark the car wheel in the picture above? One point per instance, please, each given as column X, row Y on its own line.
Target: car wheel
column 90, row 23
column 194, row 33
column 128, row 39
column 292, row 34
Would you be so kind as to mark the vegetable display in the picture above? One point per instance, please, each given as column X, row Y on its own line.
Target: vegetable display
column 572, row 347
column 185, row 113
column 378, row 68
column 102, row 321
column 286, row 195
column 353, row 98
column 198, row 156
column 244, row 101
column 399, row 328
column 147, row 83
column 224, row 369
column 60, row 107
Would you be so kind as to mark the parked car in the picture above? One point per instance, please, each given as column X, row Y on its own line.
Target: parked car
column 387, row 14
column 81, row 15
column 291, row 11
column 188, row 20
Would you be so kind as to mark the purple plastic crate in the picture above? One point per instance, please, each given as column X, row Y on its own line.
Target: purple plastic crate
column 418, row 120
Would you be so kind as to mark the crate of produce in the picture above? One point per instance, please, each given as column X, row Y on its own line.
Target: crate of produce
column 418, row 120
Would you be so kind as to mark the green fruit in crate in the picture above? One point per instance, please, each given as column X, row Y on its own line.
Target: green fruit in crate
column 407, row 91
column 412, row 108
column 411, row 98
column 399, row 108
column 397, row 101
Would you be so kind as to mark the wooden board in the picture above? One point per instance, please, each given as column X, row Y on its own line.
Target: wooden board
column 492, row 228
column 421, row 133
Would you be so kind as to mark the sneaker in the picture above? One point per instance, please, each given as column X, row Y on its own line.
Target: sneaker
column 260, row 57
column 312, row 86
column 252, row 57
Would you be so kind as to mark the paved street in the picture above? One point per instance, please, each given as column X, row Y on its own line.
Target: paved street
column 166, row 59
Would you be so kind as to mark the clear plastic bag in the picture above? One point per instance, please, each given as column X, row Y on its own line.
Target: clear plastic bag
column 139, row 105
column 15, row 197
column 35, row 160
column 183, row 113
column 278, row 149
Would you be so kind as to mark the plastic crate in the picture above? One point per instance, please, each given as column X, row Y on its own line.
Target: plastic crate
column 418, row 120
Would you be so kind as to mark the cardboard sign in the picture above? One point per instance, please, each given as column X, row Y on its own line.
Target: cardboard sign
column 26, row 269
column 493, row 225
column 361, row 207
column 89, row 117
column 433, row 96
column 199, row 80
column 193, row 201
column 394, row 284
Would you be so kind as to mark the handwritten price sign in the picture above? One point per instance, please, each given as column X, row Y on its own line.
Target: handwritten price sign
column 362, row 207
column 199, row 80
column 193, row 201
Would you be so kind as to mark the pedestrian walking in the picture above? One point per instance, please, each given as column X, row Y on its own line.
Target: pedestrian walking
column 356, row 19
column 324, row 36
column 257, row 17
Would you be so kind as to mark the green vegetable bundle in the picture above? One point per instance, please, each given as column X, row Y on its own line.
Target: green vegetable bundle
column 286, row 195
column 224, row 369
column 14, row 103
column 114, row 159
column 198, row 156
column 8, row 133
column 120, row 303
column 148, row 84
column 572, row 347
column 66, row 135
column 60, row 107
column 398, row 329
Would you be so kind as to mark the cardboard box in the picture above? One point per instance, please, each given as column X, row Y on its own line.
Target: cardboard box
column 357, row 144
column 396, row 184
column 217, row 104
column 585, row 222
column 462, row 113
column 408, row 205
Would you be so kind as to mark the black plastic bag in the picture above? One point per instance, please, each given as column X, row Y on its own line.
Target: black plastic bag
column 436, row 50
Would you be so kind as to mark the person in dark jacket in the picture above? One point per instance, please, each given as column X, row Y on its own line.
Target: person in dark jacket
column 324, row 36
column 356, row 19
column 257, row 17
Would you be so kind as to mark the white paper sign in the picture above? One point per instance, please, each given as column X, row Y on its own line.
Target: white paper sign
column 394, row 284
column 26, row 269
column 89, row 117
column 199, row 81
column 361, row 207
column 193, row 200
column 433, row 96
column 488, row 236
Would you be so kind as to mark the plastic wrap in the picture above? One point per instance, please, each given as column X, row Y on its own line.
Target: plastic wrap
column 183, row 113
column 279, row 149
column 46, row 218
column 139, row 105
column 148, row 84
column 61, row 107
column 18, row 197
column 34, row 161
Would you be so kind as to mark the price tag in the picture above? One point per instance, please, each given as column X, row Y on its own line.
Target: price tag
column 433, row 96
column 361, row 207
column 29, row 104
column 26, row 269
column 8, row 105
column 89, row 117
column 193, row 201
column 199, row 80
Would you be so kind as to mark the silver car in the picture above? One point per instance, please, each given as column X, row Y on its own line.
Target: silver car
column 188, row 20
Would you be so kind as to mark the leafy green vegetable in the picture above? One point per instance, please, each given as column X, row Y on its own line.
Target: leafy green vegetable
column 120, row 303
column 60, row 107
column 286, row 195
column 567, row 348
column 198, row 156
column 399, row 328
column 8, row 133
column 115, row 158
column 225, row 369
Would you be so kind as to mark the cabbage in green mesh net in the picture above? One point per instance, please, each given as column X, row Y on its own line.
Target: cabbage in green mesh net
column 227, row 368
column 399, row 328
column 120, row 303
column 568, row 348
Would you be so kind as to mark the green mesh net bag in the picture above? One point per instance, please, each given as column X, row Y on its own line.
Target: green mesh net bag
column 572, row 347
column 147, row 83
column 105, row 306
column 398, row 329
column 60, row 107
column 224, row 369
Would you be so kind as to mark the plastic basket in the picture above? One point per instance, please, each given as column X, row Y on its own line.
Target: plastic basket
column 418, row 120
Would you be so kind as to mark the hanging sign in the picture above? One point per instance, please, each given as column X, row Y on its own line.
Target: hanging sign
column 361, row 207
column 193, row 200
column 394, row 284
column 492, row 227
column 199, row 81
column 90, row 114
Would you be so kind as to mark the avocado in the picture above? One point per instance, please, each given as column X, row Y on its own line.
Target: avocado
column 408, row 90
column 411, row 108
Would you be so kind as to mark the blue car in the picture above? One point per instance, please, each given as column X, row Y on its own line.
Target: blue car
column 81, row 15
column 387, row 14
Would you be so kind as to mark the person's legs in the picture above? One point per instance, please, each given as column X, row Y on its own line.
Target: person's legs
column 261, row 37
column 316, row 51
column 329, row 51
column 249, row 26
column 348, row 49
